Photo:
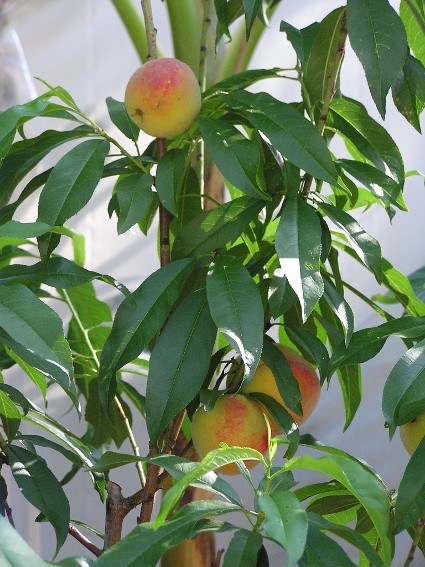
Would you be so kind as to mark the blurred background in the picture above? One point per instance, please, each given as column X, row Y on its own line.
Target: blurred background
column 83, row 46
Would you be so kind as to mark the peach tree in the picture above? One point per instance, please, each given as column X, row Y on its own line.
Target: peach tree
column 252, row 202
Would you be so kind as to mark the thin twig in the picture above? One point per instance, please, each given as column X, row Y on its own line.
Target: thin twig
column 9, row 514
column 203, row 58
column 218, row 557
column 75, row 533
column 330, row 91
column 117, row 402
column 149, row 491
column 415, row 543
column 150, row 29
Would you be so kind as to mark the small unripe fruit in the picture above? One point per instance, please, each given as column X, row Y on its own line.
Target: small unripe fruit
column 412, row 433
column 308, row 383
column 163, row 97
column 234, row 420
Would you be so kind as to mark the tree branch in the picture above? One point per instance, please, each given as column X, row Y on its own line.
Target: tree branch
column 415, row 542
column 75, row 533
column 116, row 511
column 150, row 29
column 330, row 91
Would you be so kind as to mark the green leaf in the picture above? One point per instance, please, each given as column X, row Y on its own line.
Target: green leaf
column 240, row 81
column 179, row 362
column 243, row 549
column 10, row 415
column 412, row 15
column 33, row 475
column 286, row 383
column 14, row 550
column 404, row 391
column 322, row 551
column 24, row 155
column 285, row 522
column 135, row 197
column 321, row 62
column 298, row 245
column 34, row 331
column 360, row 482
column 365, row 245
column 301, row 40
column 120, row 118
column 56, row 272
column 230, row 289
column 214, row 229
column 252, row 9
column 169, row 178
column 16, row 229
column 288, row 131
column 350, row 381
column 409, row 91
column 311, row 344
column 370, row 140
column 378, row 38
column 410, row 504
column 281, row 295
column 237, row 157
column 378, row 183
column 366, row 343
column 341, row 309
column 213, row 460
column 138, row 319
column 145, row 545
column 70, row 186
column 401, row 287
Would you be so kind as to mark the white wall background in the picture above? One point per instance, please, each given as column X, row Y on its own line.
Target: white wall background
column 81, row 45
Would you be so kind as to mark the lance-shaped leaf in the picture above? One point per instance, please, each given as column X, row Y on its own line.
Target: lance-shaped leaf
column 401, row 287
column 365, row 245
column 322, row 56
column 230, row 289
column 409, row 91
column 378, row 38
column 14, row 550
column 213, row 229
column 410, row 504
column 366, row 343
column 138, row 319
column 213, row 460
column 56, row 272
column 135, row 197
column 240, row 81
column 243, row 549
column 412, row 14
column 169, row 178
column 70, row 186
column 301, row 40
column 41, row 488
column 341, row 309
column 24, row 155
column 10, row 416
column 298, row 245
column 121, row 119
column 404, row 390
column 288, row 131
column 16, row 229
column 285, row 522
column 360, row 482
column 34, row 331
column 236, row 157
column 252, row 9
column 380, row 184
column 179, row 362
column 145, row 545
column 365, row 138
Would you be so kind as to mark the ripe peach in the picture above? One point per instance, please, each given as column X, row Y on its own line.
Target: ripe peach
column 234, row 420
column 411, row 433
column 308, row 382
column 163, row 97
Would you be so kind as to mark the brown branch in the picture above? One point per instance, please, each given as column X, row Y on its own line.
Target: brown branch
column 330, row 91
column 116, row 511
column 147, row 494
column 75, row 533
column 218, row 557
column 411, row 555
column 9, row 514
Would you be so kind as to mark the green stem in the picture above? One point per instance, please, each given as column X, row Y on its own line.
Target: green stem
column 185, row 20
column 134, row 25
column 117, row 402
column 3, row 443
column 150, row 29
column 415, row 543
